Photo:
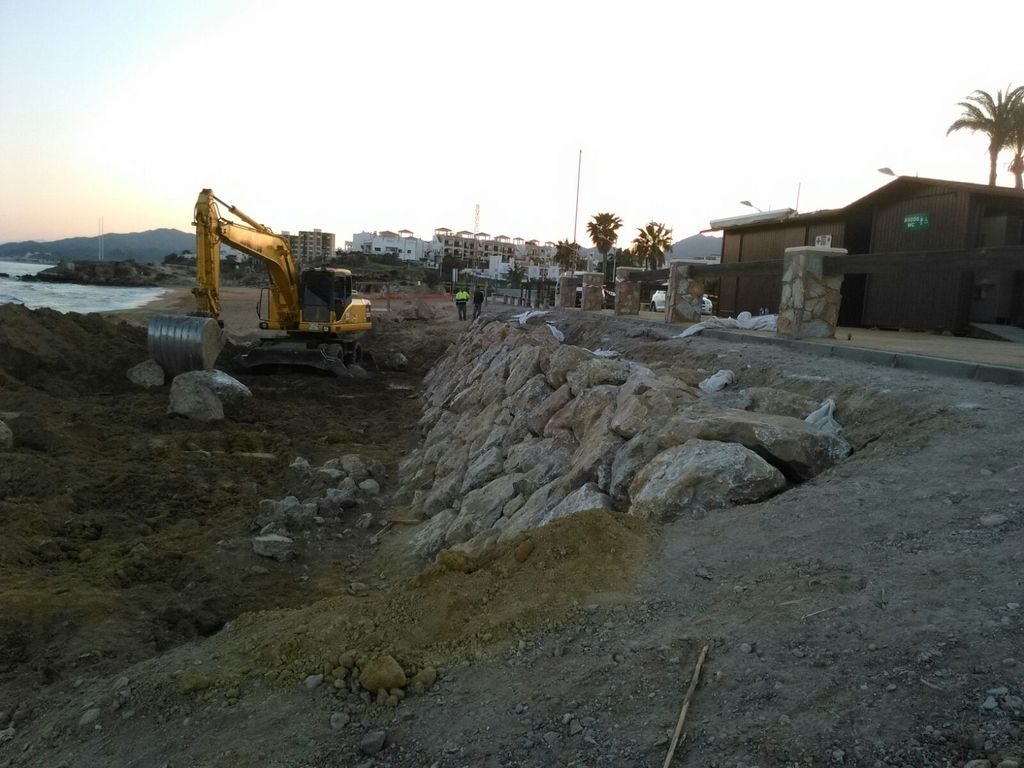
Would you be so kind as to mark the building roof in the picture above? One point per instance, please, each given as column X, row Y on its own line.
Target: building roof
column 899, row 185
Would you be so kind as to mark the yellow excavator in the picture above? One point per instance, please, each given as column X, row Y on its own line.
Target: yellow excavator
column 316, row 309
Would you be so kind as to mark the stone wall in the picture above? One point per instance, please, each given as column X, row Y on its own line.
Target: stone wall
column 809, row 306
column 520, row 429
column 567, row 291
column 593, row 292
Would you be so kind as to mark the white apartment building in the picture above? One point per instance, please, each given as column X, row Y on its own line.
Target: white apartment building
column 403, row 244
column 310, row 246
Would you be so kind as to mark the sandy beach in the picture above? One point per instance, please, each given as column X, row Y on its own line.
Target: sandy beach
column 238, row 310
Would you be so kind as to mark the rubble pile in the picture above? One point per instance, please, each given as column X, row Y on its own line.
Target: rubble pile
column 320, row 495
column 521, row 429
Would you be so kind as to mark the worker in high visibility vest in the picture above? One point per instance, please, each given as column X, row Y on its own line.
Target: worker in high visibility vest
column 461, row 299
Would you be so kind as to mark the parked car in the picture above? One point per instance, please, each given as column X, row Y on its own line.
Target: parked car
column 658, row 303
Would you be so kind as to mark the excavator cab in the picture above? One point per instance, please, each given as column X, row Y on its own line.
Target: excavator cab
column 326, row 294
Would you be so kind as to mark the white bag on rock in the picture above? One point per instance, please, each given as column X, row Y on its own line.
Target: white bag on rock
column 823, row 418
column 717, row 382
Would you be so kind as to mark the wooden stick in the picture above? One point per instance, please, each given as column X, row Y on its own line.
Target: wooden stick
column 686, row 706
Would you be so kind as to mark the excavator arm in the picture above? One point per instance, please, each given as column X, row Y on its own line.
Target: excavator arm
column 253, row 238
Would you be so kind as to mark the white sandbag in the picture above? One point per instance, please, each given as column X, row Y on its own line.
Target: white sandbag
column 559, row 336
column 823, row 418
column 718, row 381
column 744, row 322
column 522, row 317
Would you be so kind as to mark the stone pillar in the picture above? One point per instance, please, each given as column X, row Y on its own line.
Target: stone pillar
column 593, row 292
column 627, row 292
column 684, row 295
column 567, row 291
column 809, row 307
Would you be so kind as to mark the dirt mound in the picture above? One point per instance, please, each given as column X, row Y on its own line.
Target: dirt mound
column 456, row 609
column 66, row 353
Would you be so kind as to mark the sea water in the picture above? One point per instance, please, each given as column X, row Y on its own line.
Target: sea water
column 67, row 297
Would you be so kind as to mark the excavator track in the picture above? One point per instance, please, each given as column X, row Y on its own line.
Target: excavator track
column 343, row 359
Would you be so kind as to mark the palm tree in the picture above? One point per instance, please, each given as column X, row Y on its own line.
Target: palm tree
column 651, row 244
column 516, row 273
column 1015, row 142
column 567, row 255
column 604, row 232
column 983, row 114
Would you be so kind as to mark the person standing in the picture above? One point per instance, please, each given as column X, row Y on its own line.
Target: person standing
column 478, row 302
column 461, row 299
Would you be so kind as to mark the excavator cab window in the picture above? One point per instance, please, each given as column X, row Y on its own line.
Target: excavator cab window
column 342, row 295
column 317, row 296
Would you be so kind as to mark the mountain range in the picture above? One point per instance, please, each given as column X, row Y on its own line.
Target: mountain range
column 151, row 245
column 696, row 247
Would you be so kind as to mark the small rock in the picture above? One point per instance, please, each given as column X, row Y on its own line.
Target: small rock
column 891, row 687
column 551, row 738
column 703, row 573
column 575, row 727
column 977, row 764
column 1008, row 763
column 273, row 545
column 365, row 521
column 6, row 734
column 523, row 550
column 357, row 588
column 992, row 520
column 148, row 374
column 370, row 487
column 6, row 437
column 746, row 647
column 424, row 679
column 314, row 681
column 382, row 672
column 89, row 717
column 1000, row 691
column 373, row 742
column 119, row 683
column 339, row 720
column 989, row 703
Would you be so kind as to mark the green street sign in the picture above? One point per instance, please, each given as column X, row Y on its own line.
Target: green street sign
column 915, row 221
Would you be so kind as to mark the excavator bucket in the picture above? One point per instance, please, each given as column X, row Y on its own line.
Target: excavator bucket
column 182, row 343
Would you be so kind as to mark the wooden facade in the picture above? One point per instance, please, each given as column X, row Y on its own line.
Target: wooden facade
column 906, row 215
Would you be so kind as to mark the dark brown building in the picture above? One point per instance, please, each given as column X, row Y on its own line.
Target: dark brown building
column 908, row 215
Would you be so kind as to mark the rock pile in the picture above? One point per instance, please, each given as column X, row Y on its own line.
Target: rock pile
column 520, row 429
column 320, row 494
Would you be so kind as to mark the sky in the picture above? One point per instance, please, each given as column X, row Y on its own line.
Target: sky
column 352, row 116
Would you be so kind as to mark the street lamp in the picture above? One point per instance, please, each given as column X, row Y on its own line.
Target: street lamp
column 887, row 171
column 750, row 205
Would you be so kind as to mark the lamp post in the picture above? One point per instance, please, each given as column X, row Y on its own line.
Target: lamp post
column 750, row 205
column 886, row 171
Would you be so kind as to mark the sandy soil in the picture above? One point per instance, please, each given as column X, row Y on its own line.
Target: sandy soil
column 870, row 617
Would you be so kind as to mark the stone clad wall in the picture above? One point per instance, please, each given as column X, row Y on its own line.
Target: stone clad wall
column 593, row 292
column 683, row 299
column 809, row 306
column 627, row 292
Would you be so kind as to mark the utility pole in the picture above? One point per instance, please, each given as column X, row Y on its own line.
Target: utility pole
column 576, row 215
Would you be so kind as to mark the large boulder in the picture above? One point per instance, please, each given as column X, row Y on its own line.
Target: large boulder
column 582, row 499
column 483, row 469
column 481, row 508
column 780, row 402
column 796, row 447
column 429, row 537
column 539, row 461
column 563, row 360
column 596, row 371
column 147, row 374
column 194, row 400
column 540, row 414
column 699, row 476
column 227, row 388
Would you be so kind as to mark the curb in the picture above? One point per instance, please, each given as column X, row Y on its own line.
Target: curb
column 938, row 366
